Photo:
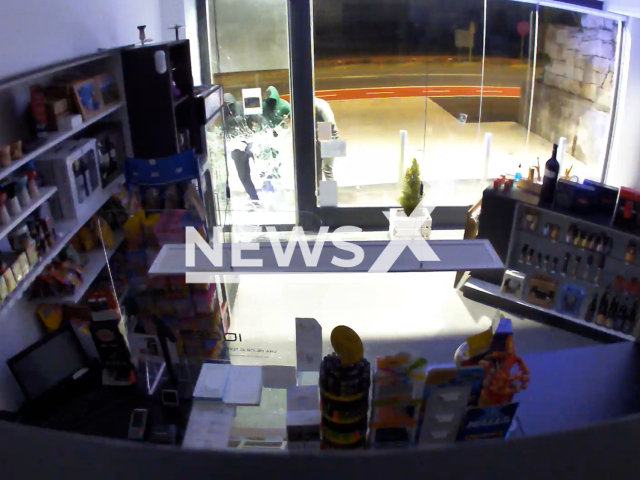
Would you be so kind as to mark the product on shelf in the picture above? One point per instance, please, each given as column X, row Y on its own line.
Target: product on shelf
column 626, row 216
column 603, row 309
column 345, row 379
column 530, row 221
column 73, row 167
column 570, row 299
column 599, row 270
column 475, row 400
column 590, row 314
column 397, row 394
column 630, row 253
column 541, row 290
column 551, row 171
column 587, row 269
column 513, row 283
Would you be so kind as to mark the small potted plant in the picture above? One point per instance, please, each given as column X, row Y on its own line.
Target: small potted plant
column 405, row 222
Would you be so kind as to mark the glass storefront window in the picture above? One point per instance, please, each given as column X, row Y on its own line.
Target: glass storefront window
column 250, row 50
column 578, row 58
column 419, row 80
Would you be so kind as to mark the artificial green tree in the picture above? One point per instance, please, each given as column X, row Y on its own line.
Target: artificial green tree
column 410, row 197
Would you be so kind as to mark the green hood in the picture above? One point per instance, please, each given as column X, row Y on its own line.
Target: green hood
column 272, row 92
column 275, row 116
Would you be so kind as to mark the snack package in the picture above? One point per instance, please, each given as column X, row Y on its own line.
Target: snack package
column 87, row 238
column 4, row 291
column 133, row 231
column 9, row 279
column 51, row 315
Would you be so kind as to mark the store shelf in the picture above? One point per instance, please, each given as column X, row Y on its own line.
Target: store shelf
column 32, row 75
column 44, row 194
column 65, row 230
column 55, row 138
column 89, row 208
column 97, row 261
column 491, row 289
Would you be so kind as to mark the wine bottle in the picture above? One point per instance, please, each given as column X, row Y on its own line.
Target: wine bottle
column 630, row 321
column 611, row 315
column 621, row 317
column 602, row 309
column 551, row 170
column 591, row 309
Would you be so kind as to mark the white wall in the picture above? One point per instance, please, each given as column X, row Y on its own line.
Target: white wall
column 627, row 7
column 252, row 35
column 182, row 12
column 34, row 33
column 624, row 165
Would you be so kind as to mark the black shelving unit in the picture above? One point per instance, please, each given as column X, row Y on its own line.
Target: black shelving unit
column 157, row 117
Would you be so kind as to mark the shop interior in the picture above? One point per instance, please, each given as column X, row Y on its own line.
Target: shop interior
column 396, row 229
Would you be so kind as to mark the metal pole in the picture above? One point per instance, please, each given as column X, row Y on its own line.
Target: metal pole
column 403, row 150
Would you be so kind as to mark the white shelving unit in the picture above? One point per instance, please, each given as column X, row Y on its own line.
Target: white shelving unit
column 55, row 138
column 97, row 261
column 65, row 230
column 44, row 195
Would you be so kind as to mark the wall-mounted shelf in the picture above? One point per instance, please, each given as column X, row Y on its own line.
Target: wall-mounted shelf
column 44, row 195
column 97, row 261
column 66, row 230
column 55, row 138
column 483, row 287
column 32, row 75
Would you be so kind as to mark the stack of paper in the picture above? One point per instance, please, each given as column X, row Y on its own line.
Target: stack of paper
column 212, row 381
column 233, row 384
column 244, row 385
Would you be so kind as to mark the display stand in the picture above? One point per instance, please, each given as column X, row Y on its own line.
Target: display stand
column 595, row 262
column 166, row 307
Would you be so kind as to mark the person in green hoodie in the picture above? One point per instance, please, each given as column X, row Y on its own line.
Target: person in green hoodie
column 275, row 109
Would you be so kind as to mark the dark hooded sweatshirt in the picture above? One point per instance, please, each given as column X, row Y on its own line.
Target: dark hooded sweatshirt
column 275, row 111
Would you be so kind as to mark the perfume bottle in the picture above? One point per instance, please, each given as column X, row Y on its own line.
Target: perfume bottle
column 547, row 259
column 571, row 231
column 530, row 255
column 584, row 241
column 630, row 254
column 539, row 262
column 523, row 252
column 554, row 269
